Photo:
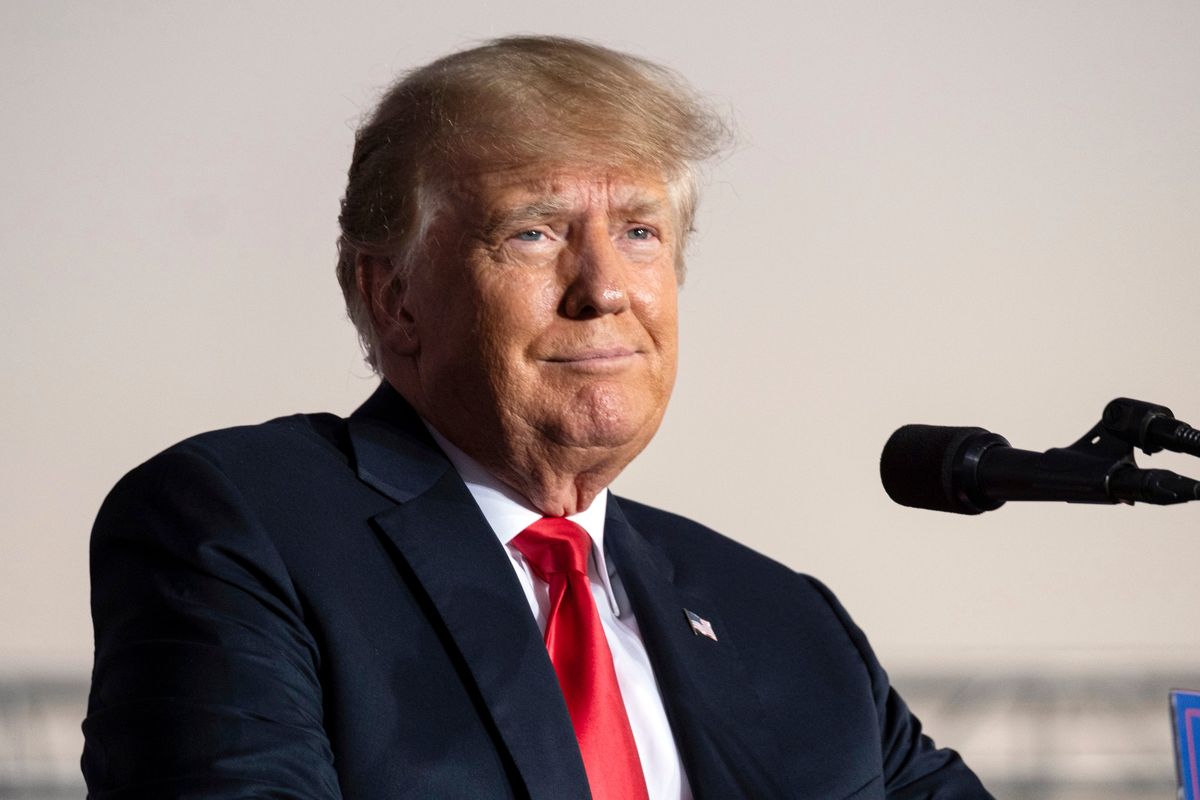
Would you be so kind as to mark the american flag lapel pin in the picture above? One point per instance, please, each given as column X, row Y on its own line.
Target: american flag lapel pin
column 700, row 626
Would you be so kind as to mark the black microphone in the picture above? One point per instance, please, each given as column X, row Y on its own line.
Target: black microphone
column 971, row 470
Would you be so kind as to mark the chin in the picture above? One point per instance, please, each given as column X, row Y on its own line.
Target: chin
column 605, row 417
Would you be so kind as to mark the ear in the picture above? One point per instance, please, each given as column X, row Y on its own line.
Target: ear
column 384, row 295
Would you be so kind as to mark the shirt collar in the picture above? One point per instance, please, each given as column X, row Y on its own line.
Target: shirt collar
column 508, row 513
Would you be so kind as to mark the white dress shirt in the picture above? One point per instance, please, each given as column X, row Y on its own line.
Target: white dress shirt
column 509, row 514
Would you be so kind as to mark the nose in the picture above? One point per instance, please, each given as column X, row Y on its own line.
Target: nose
column 595, row 276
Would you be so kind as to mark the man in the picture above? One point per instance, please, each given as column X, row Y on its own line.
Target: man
column 437, row 597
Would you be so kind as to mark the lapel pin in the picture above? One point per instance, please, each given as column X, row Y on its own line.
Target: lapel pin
column 700, row 626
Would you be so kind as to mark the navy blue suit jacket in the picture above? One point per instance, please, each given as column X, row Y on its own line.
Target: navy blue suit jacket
column 316, row 608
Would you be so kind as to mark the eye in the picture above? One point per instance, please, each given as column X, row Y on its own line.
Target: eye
column 530, row 236
column 640, row 233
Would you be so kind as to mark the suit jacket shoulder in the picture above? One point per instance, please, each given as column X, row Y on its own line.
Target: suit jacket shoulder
column 314, row 608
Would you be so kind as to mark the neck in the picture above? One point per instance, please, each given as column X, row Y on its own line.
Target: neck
column 555, row 493
column 555, row 481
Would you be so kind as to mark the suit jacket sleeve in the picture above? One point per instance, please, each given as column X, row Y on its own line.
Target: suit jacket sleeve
column 205, row 681
column 914, row 768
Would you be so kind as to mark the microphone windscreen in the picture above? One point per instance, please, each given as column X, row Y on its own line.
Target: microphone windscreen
column 917, row 467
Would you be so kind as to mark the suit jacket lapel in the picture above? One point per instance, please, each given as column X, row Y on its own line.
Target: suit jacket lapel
column 714, row 712
column 461, row 567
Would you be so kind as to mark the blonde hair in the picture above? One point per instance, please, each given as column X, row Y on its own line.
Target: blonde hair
column 512, row 102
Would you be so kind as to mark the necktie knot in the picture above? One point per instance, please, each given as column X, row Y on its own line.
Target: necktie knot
column 554, row 546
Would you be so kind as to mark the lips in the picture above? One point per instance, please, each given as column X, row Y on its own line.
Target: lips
column 594, row 354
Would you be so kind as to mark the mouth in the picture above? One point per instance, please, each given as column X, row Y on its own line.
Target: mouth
column 598, row 354
column 596, row 359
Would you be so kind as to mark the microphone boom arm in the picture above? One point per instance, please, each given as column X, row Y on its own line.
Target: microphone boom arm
column 1098, row 468
column 1149, row 426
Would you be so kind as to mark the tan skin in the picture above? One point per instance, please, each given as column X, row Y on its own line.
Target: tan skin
column 540, row 336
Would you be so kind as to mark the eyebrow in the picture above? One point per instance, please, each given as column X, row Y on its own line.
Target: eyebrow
column 505, row 219
column 644, row 208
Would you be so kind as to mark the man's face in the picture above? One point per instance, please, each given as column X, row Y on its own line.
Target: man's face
column 546, row 313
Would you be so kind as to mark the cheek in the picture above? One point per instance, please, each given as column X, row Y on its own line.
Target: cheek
column 664, row 329
column 511, row 315
column 657, row 303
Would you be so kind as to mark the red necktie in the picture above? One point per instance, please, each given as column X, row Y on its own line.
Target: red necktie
column 557, row 551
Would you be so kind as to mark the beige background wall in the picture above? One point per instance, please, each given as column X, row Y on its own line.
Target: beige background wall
column 961, row 213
